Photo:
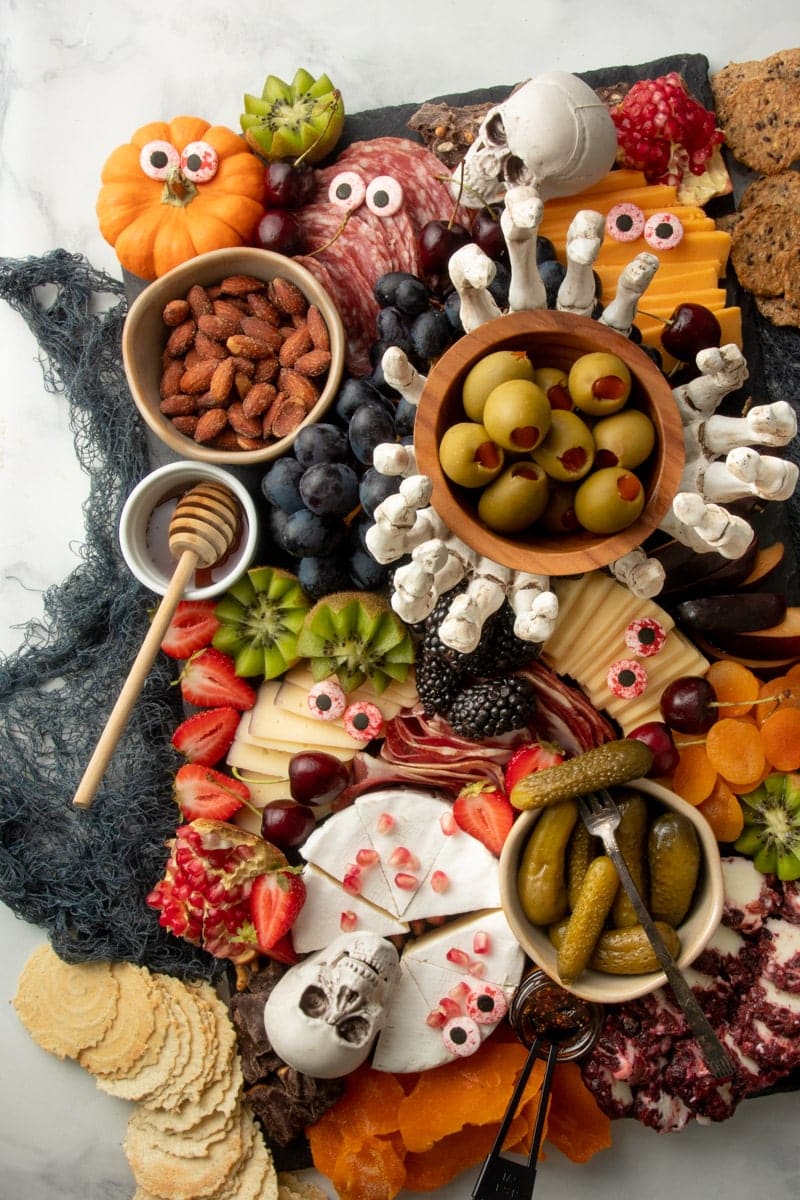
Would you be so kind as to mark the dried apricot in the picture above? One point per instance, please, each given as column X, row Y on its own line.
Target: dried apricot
column 780, row 737
column 734, row 749
column 370, row 1170
column 694, row 776
column 780, row 692
column 723, row 812
column 736, row 686
column 575, row 1124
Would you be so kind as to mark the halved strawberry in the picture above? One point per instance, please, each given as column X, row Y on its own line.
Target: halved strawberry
column 484, row 811
column 275, row 901
column 192, row 627
column 526, row 760
column 209, row 680
column 205, row 737
column 203, row 792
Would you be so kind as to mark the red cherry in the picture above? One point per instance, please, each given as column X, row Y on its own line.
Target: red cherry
column 287, row 185
column 316, row 777
column 487, row 233
column 285, row 823
column 690, row 329
column 689, row 704
column 279, row 231
column 437, row 242
column 658, row 738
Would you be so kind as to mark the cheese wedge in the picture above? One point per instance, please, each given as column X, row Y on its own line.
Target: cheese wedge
column 270, row 723
column 329, row 909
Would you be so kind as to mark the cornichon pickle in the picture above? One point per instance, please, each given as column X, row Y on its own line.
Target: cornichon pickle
column 581, row 849
column 541, row 880
column 603, row 766
column 673, row 855
column 632, row 841
column 624, row 951
column 588, row 916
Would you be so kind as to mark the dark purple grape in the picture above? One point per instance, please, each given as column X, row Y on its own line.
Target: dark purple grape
column 306, row 533
column 329, row 489
column 552, row 273
column 545, row 250
column 412, row 296
column 655, row 354
column 352, row 394
column 366, row 573
column 385, row 290
column 321, row 576
column 370, row 425
column 375, row 487
column 488, row 234
column 321, row 443
column 499, row 286
column 276, row 525
column 359, row 529
column 280, row 484
column 386, row 392
column 404, row 417
column 452, row 307
column 431, row 334
column 393, row 326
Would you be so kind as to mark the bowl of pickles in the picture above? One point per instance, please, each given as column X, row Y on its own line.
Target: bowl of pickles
column 549, row 859
column 553, row 443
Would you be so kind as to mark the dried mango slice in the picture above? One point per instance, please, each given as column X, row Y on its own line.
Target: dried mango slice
column 575, row 1124
column 372, row 1169
column 457, row 1152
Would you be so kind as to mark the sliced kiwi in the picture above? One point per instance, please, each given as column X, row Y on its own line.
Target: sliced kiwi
column 260, row 617
column 303, row 118
column 771, row 834
column 356, row 636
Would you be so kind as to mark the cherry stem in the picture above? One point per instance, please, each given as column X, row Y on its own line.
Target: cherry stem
column 336, row 96
column 784, row 695
column 332, row 238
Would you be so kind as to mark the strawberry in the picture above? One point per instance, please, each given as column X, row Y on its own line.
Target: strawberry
column 203, row 792
column 526, row 760
column 275, row 901
column 206, row 736
column 483, row 810
column 192, row 627
column 209, row 680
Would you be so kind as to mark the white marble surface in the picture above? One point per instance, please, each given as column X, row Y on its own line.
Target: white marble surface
column 77, row 79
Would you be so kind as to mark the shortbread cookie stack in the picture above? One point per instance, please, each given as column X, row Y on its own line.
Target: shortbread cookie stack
column 169, row 1047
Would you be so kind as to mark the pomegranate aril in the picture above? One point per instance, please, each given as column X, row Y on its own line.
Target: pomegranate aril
column 406, row 881
column 367, row 858
column 352, row 881
column 450, row 1007
column 481, row 943
column 440, row 881
column 459, row 957
column 447, row 823
column 460, row 992
column 348, row 921
column 435, row 1019
column 385, row 823
column 477, row 969
column 402, row 857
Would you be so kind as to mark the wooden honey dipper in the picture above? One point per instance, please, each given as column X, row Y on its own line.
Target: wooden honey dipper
column 203, row 527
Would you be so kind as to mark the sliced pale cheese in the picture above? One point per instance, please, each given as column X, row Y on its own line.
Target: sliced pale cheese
column 399, row 692
column 293, row 698
column 407, row 1042
column 270, row 723
column 270, row 758
column 329, row 910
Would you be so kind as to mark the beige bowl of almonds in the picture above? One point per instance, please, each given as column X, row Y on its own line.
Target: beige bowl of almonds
column 230, row 354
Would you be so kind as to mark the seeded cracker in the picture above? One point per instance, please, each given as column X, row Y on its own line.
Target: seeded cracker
column 765, row 249
column 762, row 128
column 780, row 189
column 65, row 1008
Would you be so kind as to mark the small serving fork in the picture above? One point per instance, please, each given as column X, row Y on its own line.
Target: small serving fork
column 601, row 817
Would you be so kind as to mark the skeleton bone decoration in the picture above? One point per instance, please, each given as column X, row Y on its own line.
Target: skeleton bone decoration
column 324, row 1014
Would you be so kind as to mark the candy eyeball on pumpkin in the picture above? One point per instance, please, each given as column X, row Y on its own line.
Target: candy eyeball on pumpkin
column 178, row 189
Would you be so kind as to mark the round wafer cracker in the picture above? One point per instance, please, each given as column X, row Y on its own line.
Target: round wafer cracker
column 184, row 1083
column 256, row 1178
column 173, row 1178
column 222, row 1097
column 194, row 1142
column 149, row 1081
column 292, row 1187
column 129, row 1035
column 65, row 1007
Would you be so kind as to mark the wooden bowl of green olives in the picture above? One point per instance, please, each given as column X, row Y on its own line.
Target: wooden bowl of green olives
column 676, row 859
column 553, row 443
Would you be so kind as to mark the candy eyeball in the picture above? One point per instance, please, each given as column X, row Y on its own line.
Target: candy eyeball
column 461, row 1036
column 625, row 222
column 663, row 231
column 157, row 159
column 487, row 1005
column 326, row 700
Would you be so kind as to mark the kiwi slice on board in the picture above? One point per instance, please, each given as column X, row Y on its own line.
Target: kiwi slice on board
column 771, row 834
column 357, row 637
column 260, row 617
column 303, row 118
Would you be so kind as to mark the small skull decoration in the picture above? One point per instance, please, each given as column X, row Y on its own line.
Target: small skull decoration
column 324, row 1014
column 553, row 134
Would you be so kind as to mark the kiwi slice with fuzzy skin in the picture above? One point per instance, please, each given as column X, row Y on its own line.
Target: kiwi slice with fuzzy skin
column 357, row 637
column 260, row 617
column 771, row 834
column 301, row 119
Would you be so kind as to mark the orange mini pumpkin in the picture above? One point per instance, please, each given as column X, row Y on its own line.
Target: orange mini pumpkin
column 178, row 189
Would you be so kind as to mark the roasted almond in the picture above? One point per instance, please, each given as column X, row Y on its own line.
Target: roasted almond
column 207, row 347
column 248, row 347
column 248, row 443
column 185, row 425
column 181, row 338
column 231, row 307
column 226, row 440
column 298, row 387
column 219, row 327
column 210, row 424
column 297, row 344
column 258, row 399
column 198, row 376
column 266, row 370
column 285, row 416
column 247, row 426
column 246, row 366
column 242, row 384
column 240, row 285
column 286, row 296
column 261, row 306
column 222, row 380
column 257, row 327
column 176, row 312
column 178, row 405
column 315, row 362
column 205, row 400
column 198, row 300
column 317, row 328
column 171, row 377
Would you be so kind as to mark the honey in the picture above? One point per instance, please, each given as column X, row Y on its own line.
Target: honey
column 157, row 541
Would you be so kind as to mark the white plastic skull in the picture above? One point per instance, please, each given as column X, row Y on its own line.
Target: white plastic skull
column 324, row 1014
column 553, row 133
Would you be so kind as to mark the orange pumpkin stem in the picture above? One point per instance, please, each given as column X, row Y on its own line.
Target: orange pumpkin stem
column 178, row 189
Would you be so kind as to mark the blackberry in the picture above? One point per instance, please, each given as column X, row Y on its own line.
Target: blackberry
column 437, row 684
column 492, row 707
column 499, row 649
